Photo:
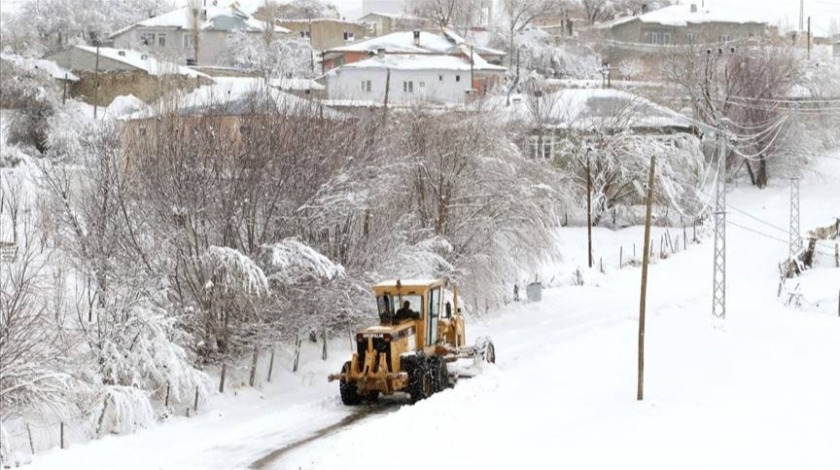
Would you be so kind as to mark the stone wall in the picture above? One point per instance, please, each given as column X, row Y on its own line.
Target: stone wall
column 146, row 87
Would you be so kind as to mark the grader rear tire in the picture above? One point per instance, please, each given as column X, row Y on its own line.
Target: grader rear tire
column 349, row 393
column 441, row 374
column 421, row 383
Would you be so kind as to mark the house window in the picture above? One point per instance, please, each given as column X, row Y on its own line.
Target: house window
column 408, row 87
column 161, row 40
column 725, row 38
column 541, row 147
column 660, row 37
column 692, row 38
column 188, row 41
column 366, row 86
column 147, row 39
column 457, row 78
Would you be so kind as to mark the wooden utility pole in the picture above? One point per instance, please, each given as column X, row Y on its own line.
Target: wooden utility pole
column 96, row 84
column 809, row 38
column 640, row 390
column 589, row 208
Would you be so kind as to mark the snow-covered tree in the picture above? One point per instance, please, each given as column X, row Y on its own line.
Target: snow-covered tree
column 274, row 58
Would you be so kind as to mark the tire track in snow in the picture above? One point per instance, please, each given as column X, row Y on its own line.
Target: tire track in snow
column 360, row 414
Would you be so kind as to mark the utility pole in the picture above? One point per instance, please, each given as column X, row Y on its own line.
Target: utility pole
column 801, row 14
column 719, row 279
column 795, row 238
column 640, row 383
column 96, row 84
column 589, row 206
column 809, row 38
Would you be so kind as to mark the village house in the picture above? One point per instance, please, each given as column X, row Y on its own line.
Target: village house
column 646, row 38
column 325, row 33
column 551, row 118
column 409, row 43
column 380, row 23
column 105, row 73
column 173, row 35
column 413, row 78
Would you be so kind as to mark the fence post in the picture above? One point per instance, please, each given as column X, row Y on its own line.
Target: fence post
column 685, row 238
column 271, row 364
column 31, row 444
column 62, row 434
column 195, row 404
column 253, row 378
column 188, row 412
column 324, row 350
column 166, row 402
column 297, row 354
column 601, row 262
column 621, row 258
column 222, row 381
column 634, row 250
column 837, row 254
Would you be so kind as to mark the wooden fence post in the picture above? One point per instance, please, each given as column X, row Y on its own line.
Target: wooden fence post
column 837, row 254
column 621, row 257
column 188, row 412
column 195, row 404
column 253, row 378
column 31, row 443
column 222, row 381
column 324, row 350
column 271, row 364
column 62, row 435
column 297, row 354
column 601, row 262
column 166, row 401
column 634, row 250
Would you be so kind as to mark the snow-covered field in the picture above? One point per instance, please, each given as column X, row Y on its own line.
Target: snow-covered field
column 759, row 389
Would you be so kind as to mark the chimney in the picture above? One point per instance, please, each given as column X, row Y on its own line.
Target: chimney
column 380, row 52
column 694, row 8
column 417, row 38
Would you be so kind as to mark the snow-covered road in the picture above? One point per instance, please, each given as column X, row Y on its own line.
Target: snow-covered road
column 760, row 389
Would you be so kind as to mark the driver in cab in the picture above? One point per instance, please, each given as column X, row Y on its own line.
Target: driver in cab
column 406, row 313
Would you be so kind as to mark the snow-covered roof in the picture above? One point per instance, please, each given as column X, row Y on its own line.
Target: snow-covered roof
column 243, row 95
column 681, row 15
column 48, row 66
column 296, row 84
column 393, row 16
column 216, row 19
column 596, row 108
column 403, row 42
column 142, row 61
column 421, row 62
column 407, row 282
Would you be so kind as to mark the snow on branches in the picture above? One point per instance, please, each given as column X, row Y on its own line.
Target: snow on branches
column 293, row 262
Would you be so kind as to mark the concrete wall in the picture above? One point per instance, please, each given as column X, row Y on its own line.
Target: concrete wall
column 435, row 86
column 138, row 83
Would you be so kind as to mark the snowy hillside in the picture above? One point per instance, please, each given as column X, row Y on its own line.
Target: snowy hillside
column 756, row 390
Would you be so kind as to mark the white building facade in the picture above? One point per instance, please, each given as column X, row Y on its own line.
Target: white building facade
column 432, row 79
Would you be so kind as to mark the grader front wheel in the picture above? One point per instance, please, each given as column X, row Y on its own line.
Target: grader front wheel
column 349, row 393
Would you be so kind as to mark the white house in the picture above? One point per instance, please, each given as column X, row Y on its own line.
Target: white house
column 172, row 34
column 412, row 78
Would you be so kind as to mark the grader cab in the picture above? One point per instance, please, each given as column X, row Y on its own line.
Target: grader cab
column 420, row 331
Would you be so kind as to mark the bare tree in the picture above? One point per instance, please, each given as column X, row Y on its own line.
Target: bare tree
column 448, row 13
column 742, row 84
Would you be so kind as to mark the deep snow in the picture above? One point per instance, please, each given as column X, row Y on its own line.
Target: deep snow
column 759, row 389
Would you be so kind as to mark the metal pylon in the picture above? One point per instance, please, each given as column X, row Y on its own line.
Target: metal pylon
column 795, row 235
column 719, row 280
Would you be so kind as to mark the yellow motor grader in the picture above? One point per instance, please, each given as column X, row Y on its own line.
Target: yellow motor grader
column 419, row 332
